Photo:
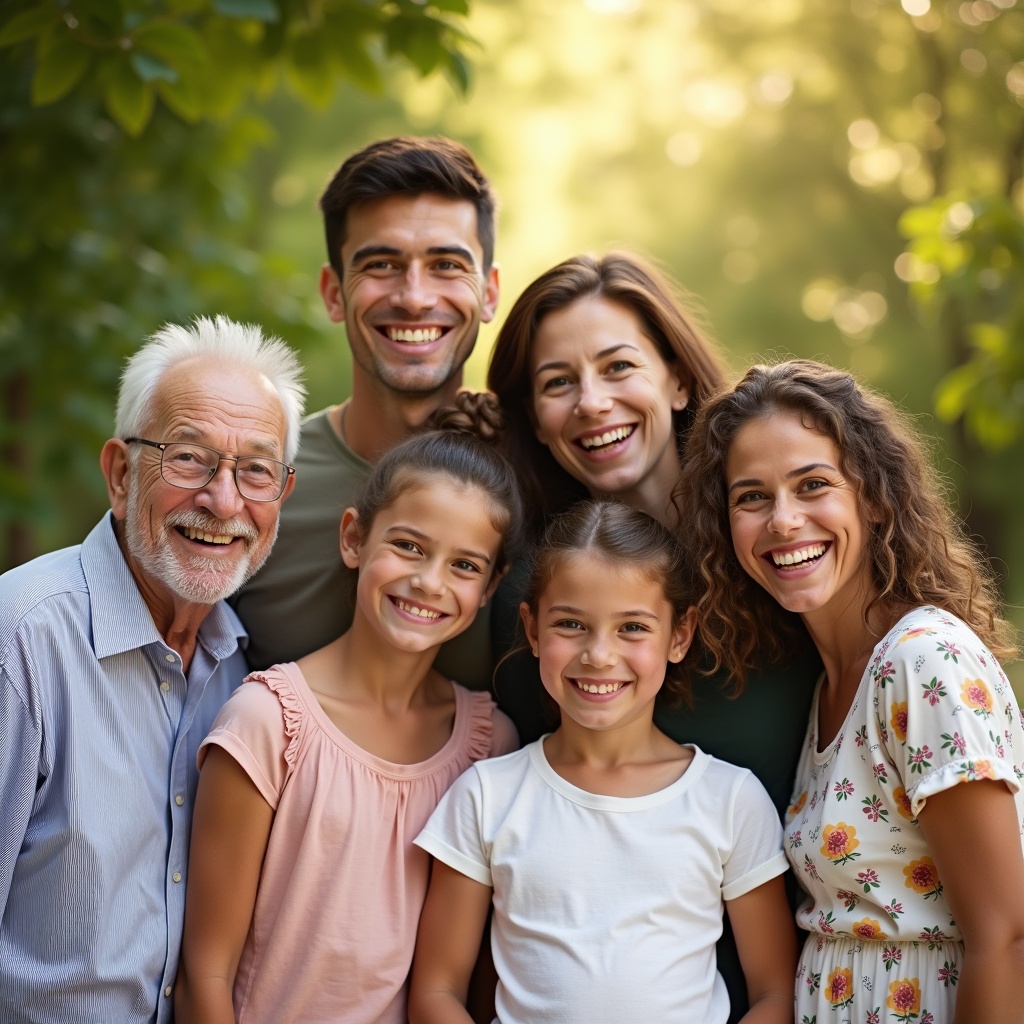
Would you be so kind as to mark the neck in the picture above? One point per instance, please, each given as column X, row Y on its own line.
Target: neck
column 603, row 750
column 653, row 494
column 375, row 418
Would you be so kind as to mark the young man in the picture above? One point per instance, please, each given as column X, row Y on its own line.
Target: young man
column 409, row 224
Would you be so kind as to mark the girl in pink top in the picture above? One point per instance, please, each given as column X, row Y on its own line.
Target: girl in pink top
column 304, row 887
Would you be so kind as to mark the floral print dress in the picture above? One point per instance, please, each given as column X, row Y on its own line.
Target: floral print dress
column 932, row 710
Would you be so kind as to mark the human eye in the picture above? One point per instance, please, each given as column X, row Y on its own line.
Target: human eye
column 815, row 484
column 557, row 383
column 465, row 565
column 449, row 266
column 411, row 547
column 261, row 474
column 751, row 497
column 571, row 625
column 635, row 628
column 619, row 366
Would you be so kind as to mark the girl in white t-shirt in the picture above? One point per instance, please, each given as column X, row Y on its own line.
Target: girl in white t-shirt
column 304, row 888
column 607, row 849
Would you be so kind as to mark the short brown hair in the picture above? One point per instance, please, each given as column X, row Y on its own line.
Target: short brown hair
column 668, row 319
column 918, row 552
column 407, row 165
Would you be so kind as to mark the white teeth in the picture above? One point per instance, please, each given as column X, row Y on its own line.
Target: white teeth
column 599, row 687
column 796, row 557
column 415, row 609
column 419, row 336
column 210, row 538
column 608, row 437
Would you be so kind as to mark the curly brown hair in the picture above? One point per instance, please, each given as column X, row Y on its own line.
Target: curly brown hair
column 918, row 552
column 667, row 319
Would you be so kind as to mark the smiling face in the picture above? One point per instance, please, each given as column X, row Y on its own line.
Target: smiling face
column 603, row 399
column 199, row 546
column 426, row 564
column 604, row 634
column 798, row 526
column 414, row 290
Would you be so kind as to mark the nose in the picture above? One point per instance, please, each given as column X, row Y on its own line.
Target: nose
column 786, row 515
column 592, row 398
column 430, row 578
column 414, row 291
column 598, row 653
column 220, row 496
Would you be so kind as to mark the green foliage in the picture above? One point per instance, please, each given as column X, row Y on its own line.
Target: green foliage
column 126, row 130
column 970, row 255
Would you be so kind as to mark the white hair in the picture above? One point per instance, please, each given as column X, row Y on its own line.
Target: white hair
column 220, row 338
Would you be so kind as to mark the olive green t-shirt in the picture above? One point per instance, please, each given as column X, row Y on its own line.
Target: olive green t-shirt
column 303, row 597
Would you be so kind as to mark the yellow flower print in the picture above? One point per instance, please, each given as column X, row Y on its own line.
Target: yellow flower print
column 915, row 632
column 839, row 987
column 869, row 928
column 904, row 998
column 923, row 877
column 840, row 842
column 898, row 720
column 899, row 794
column 977, row 696
column 797, row 806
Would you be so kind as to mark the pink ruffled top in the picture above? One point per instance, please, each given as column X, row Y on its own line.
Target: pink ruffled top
column 342, row 884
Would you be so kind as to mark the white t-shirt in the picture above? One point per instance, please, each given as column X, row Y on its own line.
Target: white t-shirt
column 607, row 908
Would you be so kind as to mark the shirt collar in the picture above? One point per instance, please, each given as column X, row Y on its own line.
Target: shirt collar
column 121, row 620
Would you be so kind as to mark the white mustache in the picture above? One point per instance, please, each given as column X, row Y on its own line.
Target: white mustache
column 195, row 520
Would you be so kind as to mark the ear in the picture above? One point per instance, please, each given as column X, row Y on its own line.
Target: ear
column 680, row 390
column 288, row 487
column 491, row 291
column 351, row 538
column 682, row 635
column 117, row 474
column 530, row 625
column 492, row 585
column 330, row 292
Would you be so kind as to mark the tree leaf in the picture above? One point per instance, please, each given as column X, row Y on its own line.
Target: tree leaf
column 178, row 46
column 451, row 6
column 28, row 24
column 183, row 98
column 149, row 69
column 61, row 65
column 129, row 100
column 254, row 10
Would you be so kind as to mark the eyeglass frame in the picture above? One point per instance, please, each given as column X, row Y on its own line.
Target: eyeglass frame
column 162, row 447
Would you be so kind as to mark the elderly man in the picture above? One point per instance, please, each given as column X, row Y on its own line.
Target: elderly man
column 115, row 656
column 410, row 246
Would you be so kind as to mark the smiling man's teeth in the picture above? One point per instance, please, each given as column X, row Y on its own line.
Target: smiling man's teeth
column 419, row 336
column 608, row 437
column 806, row 554
column 209, row 538
column 599, row 687
column 415, row 609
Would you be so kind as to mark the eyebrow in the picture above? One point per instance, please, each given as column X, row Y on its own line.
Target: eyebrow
column 753, row 482
column 634, row 613
column 435, row 250
column 259, row 447
column 398, row 528
column 557, row 364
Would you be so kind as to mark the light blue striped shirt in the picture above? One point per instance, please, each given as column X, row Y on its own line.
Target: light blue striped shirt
column 99, row 729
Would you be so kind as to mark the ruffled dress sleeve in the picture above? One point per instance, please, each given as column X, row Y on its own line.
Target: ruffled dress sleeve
column 944, row 710
column 261, row 727
column 490, row 731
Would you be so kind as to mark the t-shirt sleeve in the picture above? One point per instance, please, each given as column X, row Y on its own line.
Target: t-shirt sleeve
column 756, row 855
column 944, row 709
column 252, row 728
column 454, row 832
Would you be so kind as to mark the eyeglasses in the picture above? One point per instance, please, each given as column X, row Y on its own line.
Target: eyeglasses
column 183, row 464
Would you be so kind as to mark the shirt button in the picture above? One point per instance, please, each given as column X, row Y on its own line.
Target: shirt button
column 168, row 657
column 164, row 685
column 179, row 799
column 167, row 992
column 176, row 877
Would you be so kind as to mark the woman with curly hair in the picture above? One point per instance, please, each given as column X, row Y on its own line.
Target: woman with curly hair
column 600, row 367
column 814, row 510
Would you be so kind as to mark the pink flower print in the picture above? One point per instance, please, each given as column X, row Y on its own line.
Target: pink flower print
column 811, row 870
column 933, row 691
column 825, row 922
column 869, row 879
column 884, row 674
column 954, row 743
column 927, row 1018
column 934, row 937
column 850, row 899
column 860, row 737
column 872, row 1017
column 950, row 649
column 795, row 841
column 997, row 742
column 898, row 720
column 977, row 696
column 891, row 955
column 880, row 772
column 894, row 909
column 949, row 975
column 919, row 758
column 873, row 809
column 843, row 789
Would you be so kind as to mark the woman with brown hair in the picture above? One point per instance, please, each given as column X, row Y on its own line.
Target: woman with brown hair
column 600, row 367
column 814, row 510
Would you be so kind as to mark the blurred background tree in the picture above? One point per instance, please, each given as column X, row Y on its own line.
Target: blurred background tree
column 833, row 178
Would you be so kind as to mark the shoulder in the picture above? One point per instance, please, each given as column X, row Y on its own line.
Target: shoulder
column 38, row 593
column 490, row 732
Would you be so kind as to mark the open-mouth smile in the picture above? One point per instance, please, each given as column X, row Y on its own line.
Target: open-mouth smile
column 418, row 610
column 798, row 558
column 203, row 537
column 610, row 438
